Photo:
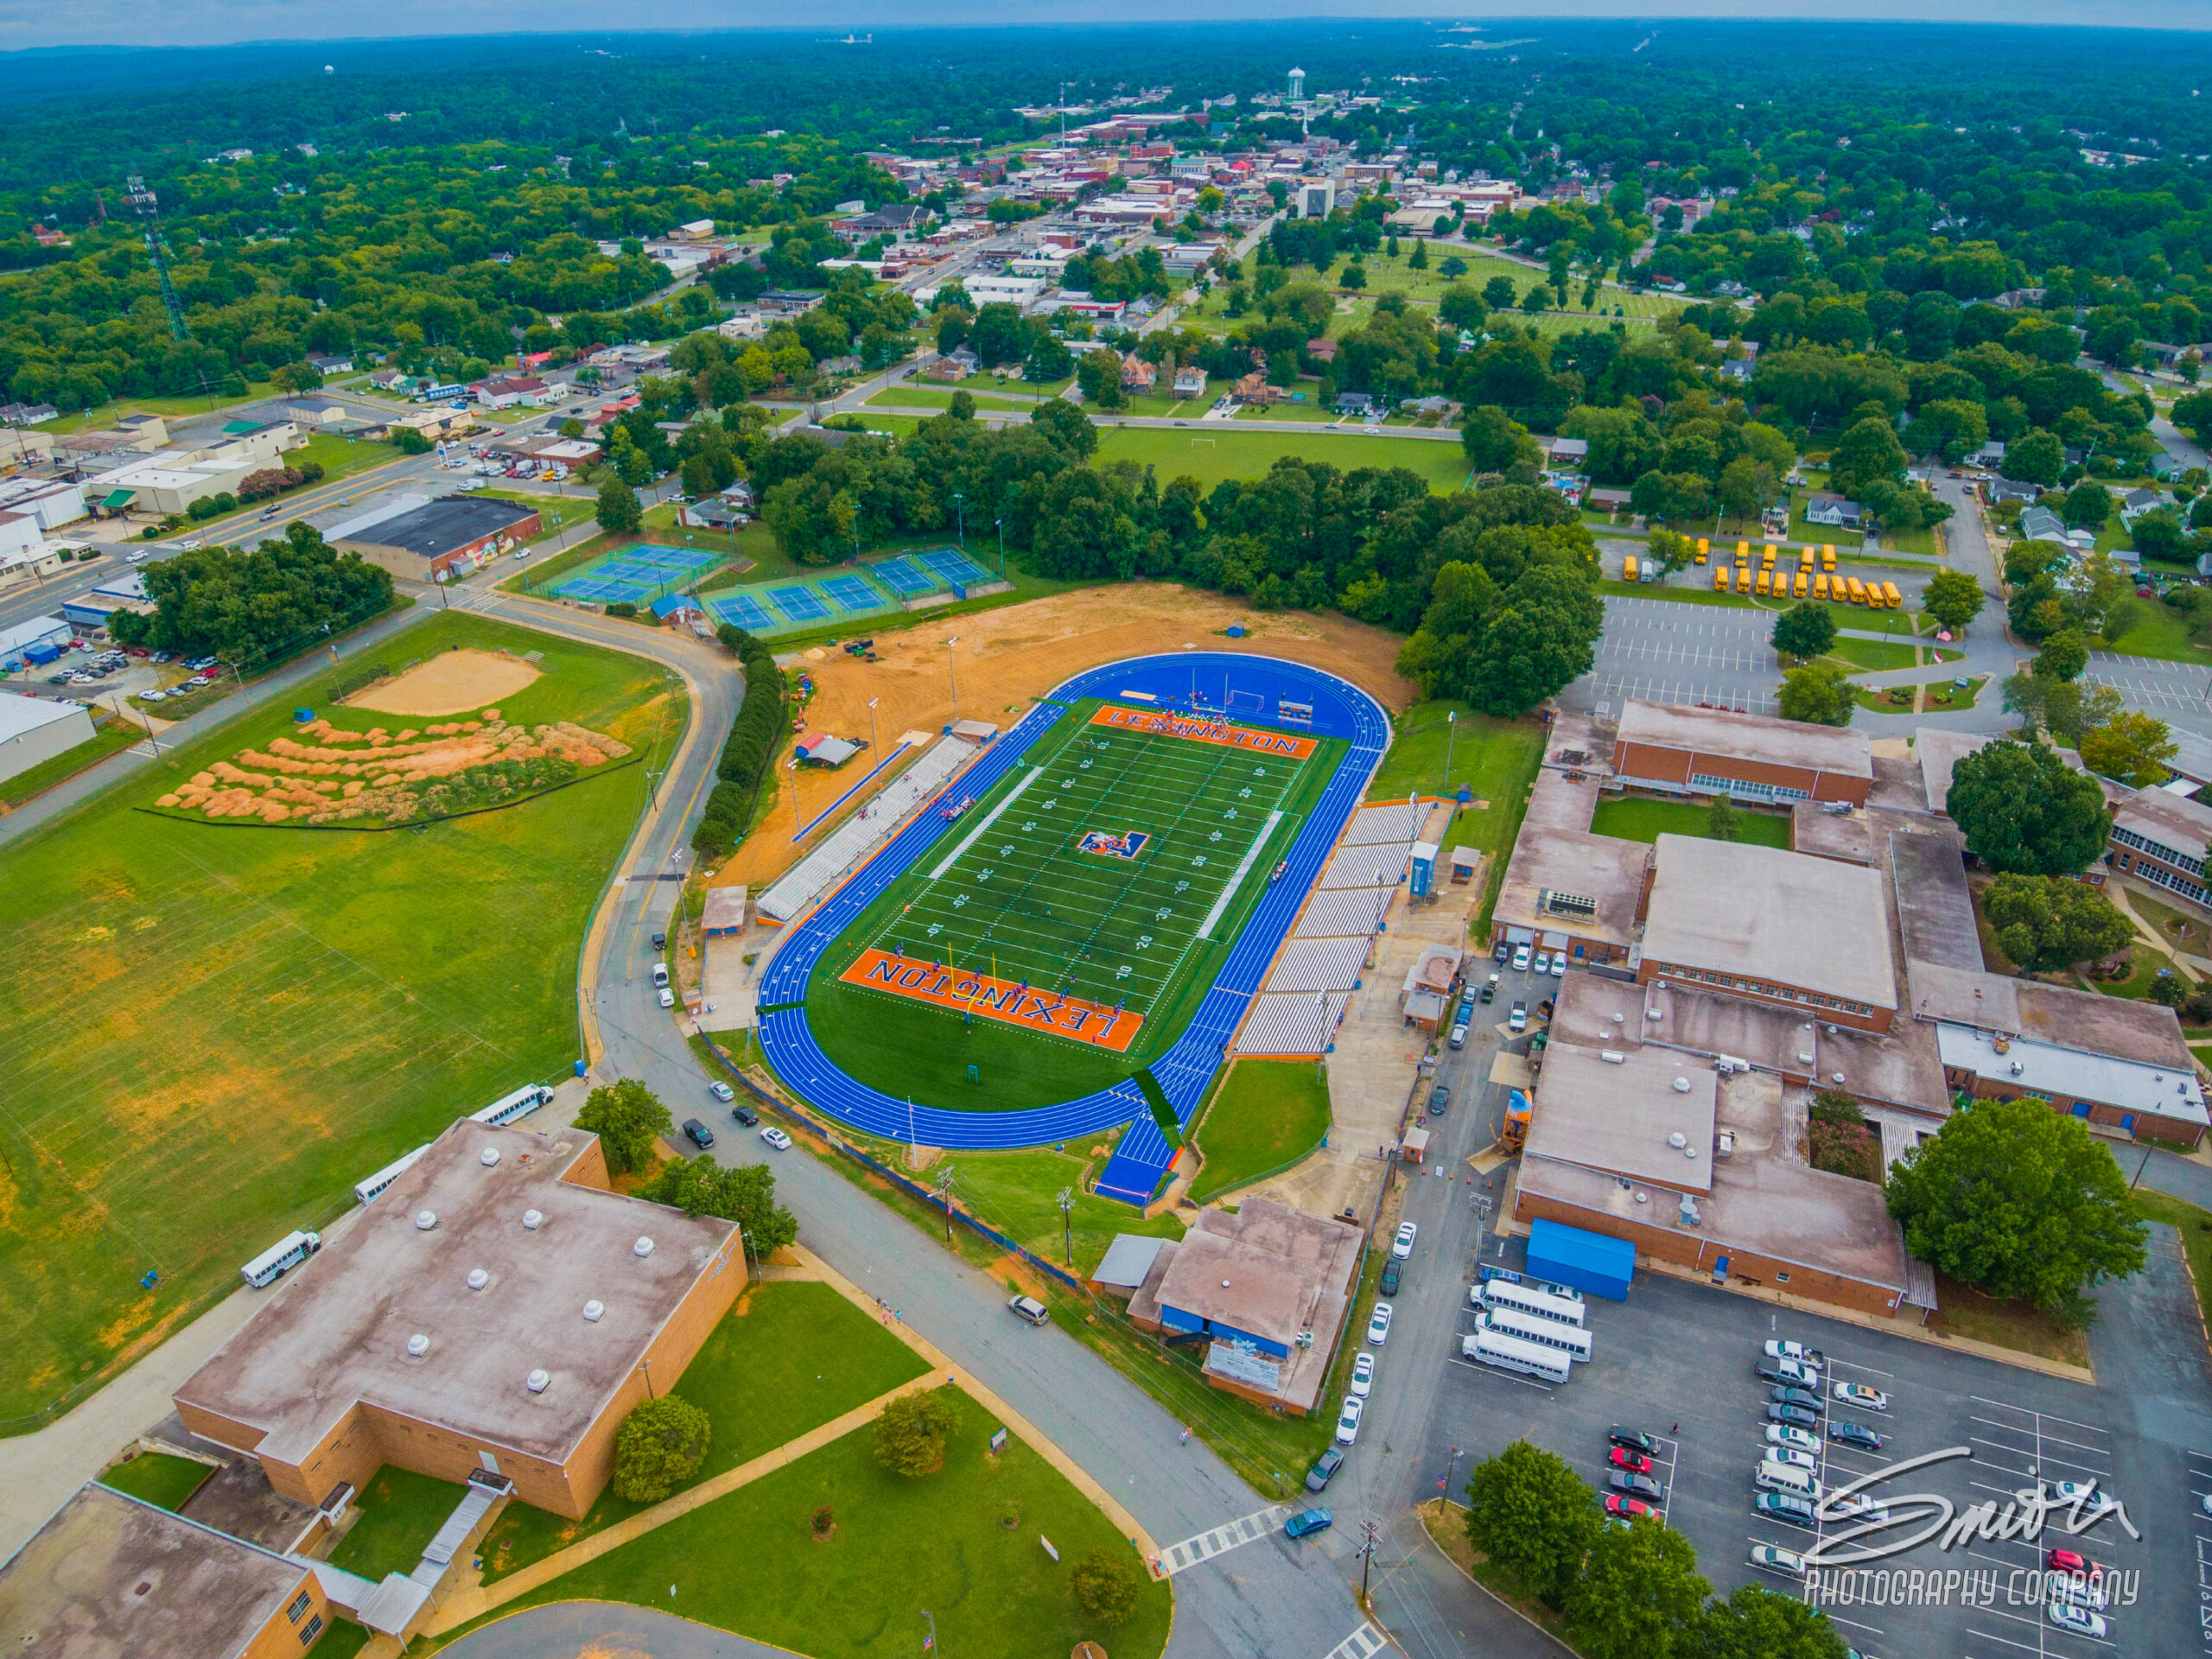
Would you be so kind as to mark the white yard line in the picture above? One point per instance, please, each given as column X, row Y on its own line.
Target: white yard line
column 1236, row 877
column 985, row 822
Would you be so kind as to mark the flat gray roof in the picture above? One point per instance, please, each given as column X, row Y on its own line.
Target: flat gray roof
column 442, row 524
column 1823, row 834
column 1938, row 750
column 334, row 1331
column 2068, row 1074
column 1266, row 1269
column 1618, row 1115
column 2172, row 820
column 2125, row 1027
column 1935, row 903
column 110, row 1575
column 1555, row 851
column 1749, row 737
column 1762, row 913
column 1128, row 1260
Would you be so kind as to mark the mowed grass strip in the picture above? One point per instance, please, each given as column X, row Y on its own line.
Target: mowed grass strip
column 159, row 1479
column 1266, row 1114
column 1636, row 819
column 1223, row 449
column 963, row 1542
column 215, row 1030
column 789, row 1357
column 401, row 1512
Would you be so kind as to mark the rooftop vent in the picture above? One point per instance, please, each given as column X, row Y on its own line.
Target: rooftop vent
column 1805, row 1057
column 593, row 1310
column 538, row 1381
column 418, row 1345
column 531, row 1221
column 1644, row 1197
column 478, row 1278
column 1678, row 1140
column 425, row 1219
column 1689, row 1152
column 643, row 1247
column 1681, row 1085
column 1620, row 1020
column 488, row 1157
column 1835, row 1077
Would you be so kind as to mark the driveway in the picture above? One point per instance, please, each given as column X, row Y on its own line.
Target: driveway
column 601, row 1629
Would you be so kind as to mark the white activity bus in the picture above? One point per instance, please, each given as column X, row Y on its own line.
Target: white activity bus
column 1570, row 1339
column 508, row 1107
column 365, row 1190
column 1511, row 1354
column 280, row 1258
column 1539, row 1304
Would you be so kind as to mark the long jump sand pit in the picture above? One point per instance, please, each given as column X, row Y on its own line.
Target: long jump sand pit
column 1007, row 658
column 455, row 682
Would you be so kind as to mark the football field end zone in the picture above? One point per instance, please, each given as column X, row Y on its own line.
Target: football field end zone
column 1341, row 709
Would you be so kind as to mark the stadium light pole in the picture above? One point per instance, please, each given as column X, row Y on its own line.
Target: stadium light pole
column 953, row 668
column 872, row 702
column 1066, row 1202
column 960, row 511
column 1451, row 733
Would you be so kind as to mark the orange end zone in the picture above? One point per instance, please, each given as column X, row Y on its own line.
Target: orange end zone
column 1204, row 731
column 994, row 999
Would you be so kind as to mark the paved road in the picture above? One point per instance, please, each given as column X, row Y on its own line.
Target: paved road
column 600, row 1629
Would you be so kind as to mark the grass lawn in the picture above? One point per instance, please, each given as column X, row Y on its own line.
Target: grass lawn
column 262, row 1015
column 2194, row 1226
column 904, row 396
column 1224, row 451
column 162, row 1480
column 1497, row 759
column 961, row 1542
column 557, row 512
column 401, row 1512
column 1632, row 818
column 1877, row 656
column 2163, row 634
column 341, row 457
column 789, row 1358
column 110, row 733
column 1967, row 1312
column 1264, row 1115
column 1017, row 1192
column 341, row 1639
column 2178, row 927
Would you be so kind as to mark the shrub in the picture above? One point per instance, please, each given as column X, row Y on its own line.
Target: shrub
column 659, row 1448
column 621, row 608
column 911, row 1435
column 1106, row 1585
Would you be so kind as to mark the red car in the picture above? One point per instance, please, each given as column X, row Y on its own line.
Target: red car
column 2067, row 1561
column 1621, row 1458
column 1629, row 1508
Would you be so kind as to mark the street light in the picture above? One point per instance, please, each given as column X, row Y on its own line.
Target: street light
column 1451, row 732
column 1001, row 525
column 872, row 702
column 1066, row 1201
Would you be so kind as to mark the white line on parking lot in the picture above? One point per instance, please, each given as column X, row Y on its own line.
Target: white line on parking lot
column 1492, row 1370
column 2044, row 1416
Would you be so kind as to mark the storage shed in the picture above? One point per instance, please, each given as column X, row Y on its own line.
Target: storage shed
column 1588, row 1261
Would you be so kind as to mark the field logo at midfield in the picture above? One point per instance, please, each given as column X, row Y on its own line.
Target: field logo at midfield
column 1107, row 844
column 988, row 998
column 1204, row 731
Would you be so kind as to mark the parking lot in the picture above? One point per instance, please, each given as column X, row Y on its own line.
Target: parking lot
column 2153, row 684
column 1677, row 1361
column 108, row 677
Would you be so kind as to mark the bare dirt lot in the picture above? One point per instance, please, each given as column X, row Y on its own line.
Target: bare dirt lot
column 1006, row 658
column 453, row 682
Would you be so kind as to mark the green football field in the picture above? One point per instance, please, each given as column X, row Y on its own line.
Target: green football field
column 1183, row 838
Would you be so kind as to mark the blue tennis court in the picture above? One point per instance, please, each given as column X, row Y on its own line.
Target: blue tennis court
column 905, row 578
column 742, row 610
column 851, row 593
column 954, row 567
column 635, row 573
column 799, row 603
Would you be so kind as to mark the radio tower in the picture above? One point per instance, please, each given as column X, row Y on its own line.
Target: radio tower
column 142, row 199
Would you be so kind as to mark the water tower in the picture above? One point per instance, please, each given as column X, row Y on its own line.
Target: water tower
column 1298, row 85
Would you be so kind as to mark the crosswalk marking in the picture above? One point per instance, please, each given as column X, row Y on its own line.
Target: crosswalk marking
column 1363, row 1643
column 1229, row 1535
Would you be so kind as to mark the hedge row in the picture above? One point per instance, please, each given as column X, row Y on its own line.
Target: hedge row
column 755, row 737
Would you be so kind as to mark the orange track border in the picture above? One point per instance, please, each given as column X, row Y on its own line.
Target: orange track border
column 989, row 998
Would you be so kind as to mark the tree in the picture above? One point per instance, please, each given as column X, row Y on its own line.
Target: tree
column 617, row 510
column 1817, row 694
column 1640, row 1595
column 659, row 1448
column 743, row 1193
column 1500, row 294
column 912, row 1432
column 1805, row 630
column 1542, row 638
column 2020, row 1202
column 1493, row 440
column 253, row 606
column 627, row 1117
column 2063, row 655
column 1867, row 453
column 1461, row 308
column 1722, row 821
column 2089, row 505
column 1533, row 1516
column 1099, row 374
column 2044, row 922
column 2024, row 811
column 1954, row 598
column 1106, row 1585
column 2131, row 747
column 1755, row 1623
column 2038, row 458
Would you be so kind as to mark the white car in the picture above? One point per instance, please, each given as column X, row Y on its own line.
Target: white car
column 1796, row 1459
column 1795, row 1439
column 775, row 1138
column 1858, row 1394
column 189, row 545
column 1768, row 1559
column 667, row 997
column 2075, row 1492
column 2082, row 1592
column 153, row 697
column 1559, row 964
column 1348, row 1421
column 1796, row 1350
column 1402, row 1246
column 1542, row 964
column 135, row 555
column 2080, row 1620
column 722, row 1090
column 1363, row 1373
column 1378, row 1326
column 1520, row 959
column 1858, row 1507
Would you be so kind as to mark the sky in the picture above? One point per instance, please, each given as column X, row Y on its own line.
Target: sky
column 41, row 23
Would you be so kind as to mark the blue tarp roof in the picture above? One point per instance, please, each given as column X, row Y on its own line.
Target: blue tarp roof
column 1573, row 1247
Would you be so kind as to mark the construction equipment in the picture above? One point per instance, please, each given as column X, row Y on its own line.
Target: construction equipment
column 1515, row 1133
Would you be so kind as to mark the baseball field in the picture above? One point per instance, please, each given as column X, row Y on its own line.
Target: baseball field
column 214, row 1028
column 1078, row 912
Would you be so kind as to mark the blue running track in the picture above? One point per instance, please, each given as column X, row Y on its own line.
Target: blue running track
column 1141, row 1158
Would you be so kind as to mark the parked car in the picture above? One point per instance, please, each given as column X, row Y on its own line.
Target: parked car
column 1858, row 1394
column 1634, row 1438
column 1768, row 1559
column 1796, row 1350
column 667, row 997
column 153, row 697
column 1559, row 964
column 1859, row 1507
column 721, row 1091
column 1790, row 1396
column 1402, row 1246
column 1795, row 1439
column 1542, row 964
column 1378, row 1326
column 1489, row 990
column 1789, row 1374
column 698, row 1133
column 1439, row 1098
column 2080, row 1620
column 1629, row 1508
column 1317, row 1478
column 1458, row 1038
column 660, row 941
column 1796, row 1416
column 1790, row 1456
column 1502, row 950
column 775, row 1138
column 1306, row 1523
column 1389, row 1285
column 745, row 1115
column 1634, row 1462
column 1520, row 959
column 1518, row 1020
column 1780, row 1506
column 1348, row 1421
column 1854, row 1434
column 1363, row 1372
column 1638, row 1486
column 2069, row 1561
column 1029, row 1308
column 2075, row 1492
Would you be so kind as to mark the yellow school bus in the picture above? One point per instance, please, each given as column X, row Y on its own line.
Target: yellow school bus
column 1827, row 557
column 1742, row 551
column 1743, row 579
column 1628, row 568
column 1805, row 556
column 1764, row 580
column 1890, row 593
column 1798, row 588
column 1820, row 587
column 1720, row 578
column 1858, row 591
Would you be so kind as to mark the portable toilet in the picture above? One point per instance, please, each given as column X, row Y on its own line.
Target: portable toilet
column 1424, row 867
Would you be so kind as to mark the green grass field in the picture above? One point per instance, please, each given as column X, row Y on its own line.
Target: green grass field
column 160, row 1479
column 1495, row 759
column 1225, row 450
column 401, row 1512
column 255, row 1017
column 790, row 1356
column 1015, row 897
column 1636, row 819
column 961, row 1542
column 1264, row 1114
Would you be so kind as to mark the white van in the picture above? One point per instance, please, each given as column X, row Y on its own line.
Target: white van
column 660, row 976
column 1774, row 1476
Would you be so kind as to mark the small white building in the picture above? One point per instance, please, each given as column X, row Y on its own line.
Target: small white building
column 33, row 729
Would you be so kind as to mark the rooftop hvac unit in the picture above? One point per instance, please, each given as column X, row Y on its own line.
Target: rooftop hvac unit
column 1689, row 1217
column 1805, row 1057
column 1613, row 1057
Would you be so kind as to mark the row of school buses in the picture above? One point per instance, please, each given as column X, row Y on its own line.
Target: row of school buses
column 1805, row 583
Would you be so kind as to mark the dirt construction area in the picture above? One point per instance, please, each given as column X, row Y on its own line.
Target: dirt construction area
column 453, row 682
column 1005, row 659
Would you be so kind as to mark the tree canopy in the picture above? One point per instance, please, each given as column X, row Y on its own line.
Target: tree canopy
column 252, row 607
column 628, row 1118
column 2024, row 811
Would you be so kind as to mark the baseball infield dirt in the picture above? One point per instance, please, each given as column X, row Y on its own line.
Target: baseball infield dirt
column 456, row 681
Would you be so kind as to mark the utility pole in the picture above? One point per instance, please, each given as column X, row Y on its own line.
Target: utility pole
column 1370, row 1535
column 944, row 1196
column 1066, row 1202
column 1451, row 734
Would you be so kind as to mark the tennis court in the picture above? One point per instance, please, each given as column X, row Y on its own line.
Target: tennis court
column 631, row 574
column 740, row 609
column 953, row 567
column 798, row 602
column 852, row 593
column 905, row 578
